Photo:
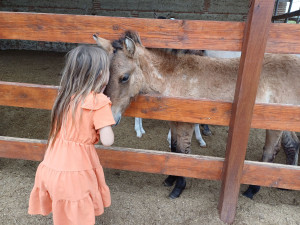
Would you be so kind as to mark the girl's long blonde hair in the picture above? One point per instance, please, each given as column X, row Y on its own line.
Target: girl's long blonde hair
column 86, row 71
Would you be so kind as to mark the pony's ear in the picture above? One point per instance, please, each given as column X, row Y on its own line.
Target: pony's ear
column 103, row 43
column 129, row 47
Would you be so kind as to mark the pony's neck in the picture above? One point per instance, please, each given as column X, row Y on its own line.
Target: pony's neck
column 187, row 75
column 152, row 62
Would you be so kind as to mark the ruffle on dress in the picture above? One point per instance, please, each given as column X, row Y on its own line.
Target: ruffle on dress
column 75, row 197
column 95, row 101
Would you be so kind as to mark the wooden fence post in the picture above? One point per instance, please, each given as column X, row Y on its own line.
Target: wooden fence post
column 253, row 49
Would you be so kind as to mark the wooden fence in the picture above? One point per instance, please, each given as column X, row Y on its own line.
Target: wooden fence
column 255, row 37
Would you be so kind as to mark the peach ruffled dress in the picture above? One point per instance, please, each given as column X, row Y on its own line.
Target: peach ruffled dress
column 70, row 181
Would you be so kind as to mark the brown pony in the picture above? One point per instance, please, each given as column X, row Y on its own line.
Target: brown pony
column 135, row 70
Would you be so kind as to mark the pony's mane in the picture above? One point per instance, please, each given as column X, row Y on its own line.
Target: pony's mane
column 118, row 44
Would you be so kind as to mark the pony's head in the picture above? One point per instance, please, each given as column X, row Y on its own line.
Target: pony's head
column 126, row 76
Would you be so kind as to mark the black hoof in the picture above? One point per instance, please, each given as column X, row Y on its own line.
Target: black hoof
column 251, row 191
column 206, row 131
column 169, row 181
column 178, row 189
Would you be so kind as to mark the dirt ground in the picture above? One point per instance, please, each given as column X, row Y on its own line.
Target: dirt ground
column 137, row 198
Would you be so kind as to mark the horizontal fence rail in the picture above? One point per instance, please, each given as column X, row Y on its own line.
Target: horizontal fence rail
column 265, row 116
column 155, row 33
column 150, row 161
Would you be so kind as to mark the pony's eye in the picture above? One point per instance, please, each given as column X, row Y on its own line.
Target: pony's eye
column 125, row 78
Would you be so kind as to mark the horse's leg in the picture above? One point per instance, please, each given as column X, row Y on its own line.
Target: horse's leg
column 199, row 136
column 172, row 139
column 138, row 126
column 271, row 148
column 272, row 145
column 184, row 137
column 206, row 131
column 141, row 126
column 290, row 144
column 169, row 138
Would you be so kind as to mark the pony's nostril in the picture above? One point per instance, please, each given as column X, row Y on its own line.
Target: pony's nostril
column 117, row 121
column 117, row 118
column 95, row 36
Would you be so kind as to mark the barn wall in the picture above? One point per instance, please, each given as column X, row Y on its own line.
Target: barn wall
column 230, row 10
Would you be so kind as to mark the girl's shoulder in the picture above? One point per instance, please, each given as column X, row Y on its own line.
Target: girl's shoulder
column 95, row 101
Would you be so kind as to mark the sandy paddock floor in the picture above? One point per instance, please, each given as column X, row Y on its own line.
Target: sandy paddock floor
column 137, row 198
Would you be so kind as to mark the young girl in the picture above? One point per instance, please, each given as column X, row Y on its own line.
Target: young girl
column 70, row 181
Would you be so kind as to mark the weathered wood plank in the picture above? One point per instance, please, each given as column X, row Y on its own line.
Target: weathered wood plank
column 150, row 161
column 271, row 175
column 27, row 95
column 269, row 116
column 154, row 33
column 265, row 116
column 22, row 148
column 283, row 38
column 253, row 49
column 180, row 34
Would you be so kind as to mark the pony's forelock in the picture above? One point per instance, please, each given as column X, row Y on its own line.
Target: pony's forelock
column 118, row 44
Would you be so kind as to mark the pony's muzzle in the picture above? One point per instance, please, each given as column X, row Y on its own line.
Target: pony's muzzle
column 117, row 118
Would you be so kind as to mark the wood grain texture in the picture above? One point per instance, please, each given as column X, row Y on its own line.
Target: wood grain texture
column 271, row 175
column 253, row 49
column 179, row 34
column 27, row 95
column 22, row 148
column 283, row 38
column 150, row 161
column 154, row 33
column 265, row 116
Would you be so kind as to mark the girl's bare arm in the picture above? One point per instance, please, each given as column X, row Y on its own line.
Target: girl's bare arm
column 107, row 136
